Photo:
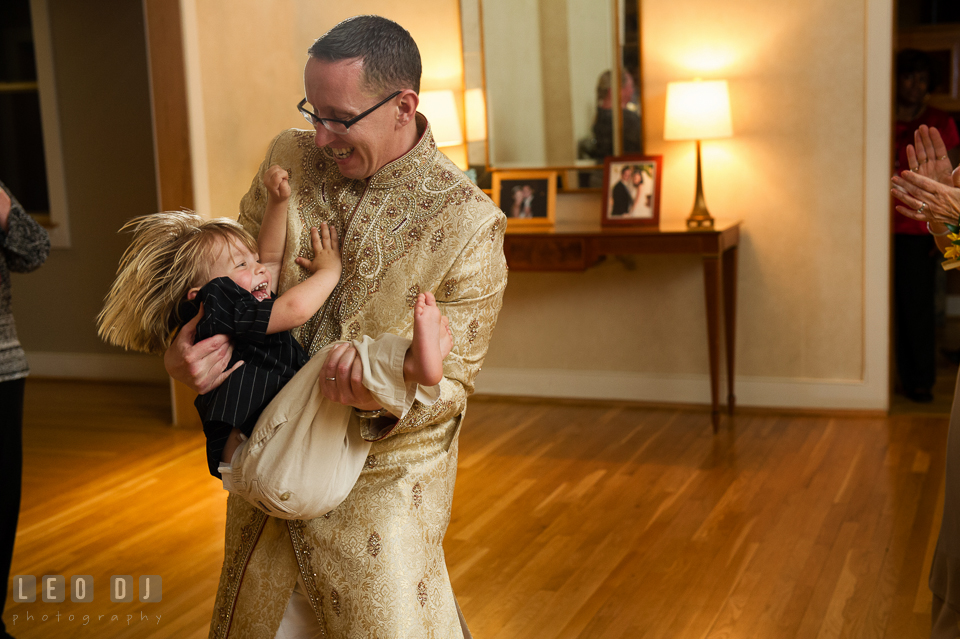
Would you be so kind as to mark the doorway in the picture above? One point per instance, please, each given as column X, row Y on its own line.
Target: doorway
column 927, row 91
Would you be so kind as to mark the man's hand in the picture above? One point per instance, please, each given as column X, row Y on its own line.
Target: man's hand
column 201, row 366
column 341, row 379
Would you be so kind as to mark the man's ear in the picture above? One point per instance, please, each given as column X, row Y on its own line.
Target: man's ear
column 192, row 293
column 407, row 110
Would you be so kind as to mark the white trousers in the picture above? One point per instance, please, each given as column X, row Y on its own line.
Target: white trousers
column 299, row 620
column 306, row 452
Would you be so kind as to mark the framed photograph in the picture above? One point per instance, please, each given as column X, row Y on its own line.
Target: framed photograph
column 527, row 198
column 631, row 191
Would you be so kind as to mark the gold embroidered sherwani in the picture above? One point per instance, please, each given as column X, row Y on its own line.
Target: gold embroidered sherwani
column 374, row 566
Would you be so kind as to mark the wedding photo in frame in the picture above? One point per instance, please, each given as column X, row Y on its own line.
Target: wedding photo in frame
column 527, row 198
column 631, row 190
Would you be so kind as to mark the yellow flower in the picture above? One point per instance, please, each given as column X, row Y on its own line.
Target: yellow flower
column 953, row 237
column 952, row 252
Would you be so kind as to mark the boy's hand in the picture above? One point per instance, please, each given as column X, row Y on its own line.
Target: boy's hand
column 326, row 251
column 277, row 182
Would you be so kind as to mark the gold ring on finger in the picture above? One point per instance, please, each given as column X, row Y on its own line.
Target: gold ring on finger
column 942, row 157
column 915, row 169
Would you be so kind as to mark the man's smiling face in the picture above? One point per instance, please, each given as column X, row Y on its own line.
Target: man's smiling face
column 336, row 90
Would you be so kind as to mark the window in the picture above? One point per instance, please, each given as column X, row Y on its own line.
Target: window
column 30, row 159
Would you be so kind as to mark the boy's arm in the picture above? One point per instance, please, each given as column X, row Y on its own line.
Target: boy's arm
column 273, row 229
column 299, row 303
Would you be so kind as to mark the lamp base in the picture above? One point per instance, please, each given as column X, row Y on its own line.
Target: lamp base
column 699, row 219
column 700, row 222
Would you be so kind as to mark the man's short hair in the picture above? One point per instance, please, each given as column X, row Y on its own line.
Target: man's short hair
column 626, row 167
column 391, row 59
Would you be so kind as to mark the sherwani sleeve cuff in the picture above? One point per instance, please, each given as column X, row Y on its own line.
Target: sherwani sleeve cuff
column 382, row 360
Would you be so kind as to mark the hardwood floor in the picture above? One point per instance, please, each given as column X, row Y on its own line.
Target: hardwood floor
column 569, row 520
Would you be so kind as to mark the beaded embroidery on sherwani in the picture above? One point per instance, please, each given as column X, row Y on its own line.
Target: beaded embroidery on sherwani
column 303, row 551
column 378, row 224
column 226, row 600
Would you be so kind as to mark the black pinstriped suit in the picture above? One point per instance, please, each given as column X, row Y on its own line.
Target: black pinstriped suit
column 270, row 361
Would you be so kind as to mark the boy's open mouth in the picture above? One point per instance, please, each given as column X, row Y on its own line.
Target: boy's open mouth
column 261, row 292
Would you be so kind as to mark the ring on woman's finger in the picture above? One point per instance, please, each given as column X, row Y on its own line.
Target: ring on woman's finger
column 923, row 205
column 331, row 379
column 942, row 157
column 915, row 169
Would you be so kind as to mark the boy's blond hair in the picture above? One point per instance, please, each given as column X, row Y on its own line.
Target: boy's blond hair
column 170, row 254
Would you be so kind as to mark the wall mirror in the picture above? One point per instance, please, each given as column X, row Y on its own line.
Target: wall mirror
column 546, row 67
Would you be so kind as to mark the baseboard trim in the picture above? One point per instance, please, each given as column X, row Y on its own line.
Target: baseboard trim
column 139, row 368
column 553, row 383
column 777, row 393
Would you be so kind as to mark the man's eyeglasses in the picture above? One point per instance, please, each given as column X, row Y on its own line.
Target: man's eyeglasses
column 339, row 127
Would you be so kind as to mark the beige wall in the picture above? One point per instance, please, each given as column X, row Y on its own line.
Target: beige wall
column 104, row 112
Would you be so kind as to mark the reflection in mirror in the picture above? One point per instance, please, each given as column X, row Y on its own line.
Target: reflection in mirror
column 629, row 29
column 546, row 69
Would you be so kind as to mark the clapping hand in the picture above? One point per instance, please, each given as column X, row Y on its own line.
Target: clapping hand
column 930, row 190
column 5, row 206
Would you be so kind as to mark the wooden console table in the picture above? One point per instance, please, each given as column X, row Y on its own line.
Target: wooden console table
column 569, row 247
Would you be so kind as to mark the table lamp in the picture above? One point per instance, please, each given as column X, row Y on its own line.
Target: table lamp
column 698, row 111
column 440, row 107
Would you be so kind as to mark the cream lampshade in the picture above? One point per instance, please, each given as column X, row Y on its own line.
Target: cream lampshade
column 440, row 108
column 698, row 110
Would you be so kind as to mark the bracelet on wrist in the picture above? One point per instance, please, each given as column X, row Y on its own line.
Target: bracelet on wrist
column 931, row 231
column 371, row 414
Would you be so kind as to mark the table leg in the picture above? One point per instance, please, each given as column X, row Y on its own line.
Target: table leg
column 730, row 318
column 711, row 281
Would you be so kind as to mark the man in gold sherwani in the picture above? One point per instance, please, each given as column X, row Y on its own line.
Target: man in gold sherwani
column 409, row 222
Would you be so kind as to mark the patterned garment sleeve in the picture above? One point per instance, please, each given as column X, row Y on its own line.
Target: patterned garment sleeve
column 477, row 281
column 230, row 310
column 26, row 244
